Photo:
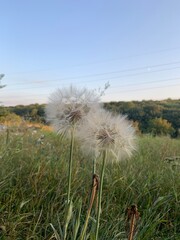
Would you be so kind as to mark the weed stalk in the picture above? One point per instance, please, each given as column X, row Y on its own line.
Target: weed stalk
column 133, row 216
column 100, row 193
column 70, row 165
column 95, row 184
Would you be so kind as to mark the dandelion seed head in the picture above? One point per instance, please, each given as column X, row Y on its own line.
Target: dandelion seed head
column 68, row 106
column 102, row 131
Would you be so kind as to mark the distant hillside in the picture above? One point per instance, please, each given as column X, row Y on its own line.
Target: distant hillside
column 144, row 112
column 149, row 116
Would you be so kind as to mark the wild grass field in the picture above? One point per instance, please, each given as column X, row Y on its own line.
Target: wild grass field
column 33, row 183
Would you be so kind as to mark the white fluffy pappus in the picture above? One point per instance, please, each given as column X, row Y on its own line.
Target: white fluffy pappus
column 68, row 106
column 102, row 131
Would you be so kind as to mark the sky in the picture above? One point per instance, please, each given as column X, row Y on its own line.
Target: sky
column 134, row 46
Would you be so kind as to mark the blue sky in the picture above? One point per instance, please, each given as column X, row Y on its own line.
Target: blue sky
column 133, row 45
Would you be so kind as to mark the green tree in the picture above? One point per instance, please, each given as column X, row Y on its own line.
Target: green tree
column 160, row 126
column 1, row 76
column 11, row 118
column 3, row 111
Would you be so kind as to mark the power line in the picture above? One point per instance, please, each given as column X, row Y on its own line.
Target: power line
column 107, row 60
column 142, row 83
column 126, row 91
column 92, row 80
column 122, row 85
column 138, row 74
column 144, row 89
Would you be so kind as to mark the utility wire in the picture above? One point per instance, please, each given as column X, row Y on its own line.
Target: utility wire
column 144, row 89
column 123, row 91
column 107, row 60
column 92, row 80
column 122, row 85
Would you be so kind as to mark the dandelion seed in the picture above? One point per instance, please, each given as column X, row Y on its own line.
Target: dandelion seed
column 68, row 106
column 66, row 109
column 103, row 131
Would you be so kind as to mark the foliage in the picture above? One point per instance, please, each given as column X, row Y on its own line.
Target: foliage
column 34, row 181
column 159, row 126
column 3, row 111
column 1, row 76
column 140, row 112
column 144, row 111
column 32, row 112
column 10, row 118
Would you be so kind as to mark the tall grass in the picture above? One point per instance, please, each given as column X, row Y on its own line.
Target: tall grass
column 33, row 189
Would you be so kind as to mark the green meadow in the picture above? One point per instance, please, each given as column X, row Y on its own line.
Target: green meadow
column 33, row 189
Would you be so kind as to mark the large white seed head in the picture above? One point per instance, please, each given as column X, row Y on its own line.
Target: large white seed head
column 68, row 106
column 102, row 131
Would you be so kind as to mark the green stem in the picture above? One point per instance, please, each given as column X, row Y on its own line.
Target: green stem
column 7, row 136
column 90, row 203
column 100, row 193
column 85, row 225
column 94, row 165
column 70, row 165
column 93, row 194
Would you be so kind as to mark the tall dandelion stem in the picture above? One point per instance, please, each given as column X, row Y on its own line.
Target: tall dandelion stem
column 94, row 165
column 100, row 193
column 70, row 165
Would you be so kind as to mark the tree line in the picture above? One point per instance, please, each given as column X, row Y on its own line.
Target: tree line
column 156, row 117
